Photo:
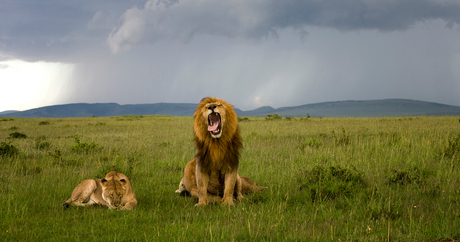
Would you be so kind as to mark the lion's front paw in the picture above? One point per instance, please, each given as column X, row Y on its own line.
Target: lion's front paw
column 227, row 201
column 201, row 203
column 241, row 198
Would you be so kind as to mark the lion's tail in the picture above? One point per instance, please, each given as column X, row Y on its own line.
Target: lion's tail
column 249, row 186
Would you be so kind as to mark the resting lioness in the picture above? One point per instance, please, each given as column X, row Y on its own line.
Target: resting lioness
column 114, row 191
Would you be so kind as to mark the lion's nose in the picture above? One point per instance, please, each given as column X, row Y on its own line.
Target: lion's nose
column 212, row 107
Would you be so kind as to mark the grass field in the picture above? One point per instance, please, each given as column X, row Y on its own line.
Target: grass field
column 329, row 179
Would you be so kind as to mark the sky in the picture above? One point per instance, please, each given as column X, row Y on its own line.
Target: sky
column 251, row 53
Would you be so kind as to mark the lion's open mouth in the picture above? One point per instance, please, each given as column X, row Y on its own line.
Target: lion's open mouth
column 214, row 123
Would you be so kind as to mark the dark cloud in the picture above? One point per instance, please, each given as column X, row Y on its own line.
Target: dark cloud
column 363, row 14
column 181, row 20
column 55, row 30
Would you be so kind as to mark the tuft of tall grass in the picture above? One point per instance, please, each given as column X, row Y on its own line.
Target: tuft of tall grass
column 452, row 148
column 41, row 143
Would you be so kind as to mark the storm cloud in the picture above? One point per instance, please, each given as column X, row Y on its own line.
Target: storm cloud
column 252, row 53
column 181, row 20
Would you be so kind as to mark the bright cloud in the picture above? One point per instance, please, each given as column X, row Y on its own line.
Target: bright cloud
column 26, row 85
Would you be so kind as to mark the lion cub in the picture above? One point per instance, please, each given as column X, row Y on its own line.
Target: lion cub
column 114, row 191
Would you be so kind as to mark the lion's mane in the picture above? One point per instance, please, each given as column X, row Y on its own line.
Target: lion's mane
column 217, row 153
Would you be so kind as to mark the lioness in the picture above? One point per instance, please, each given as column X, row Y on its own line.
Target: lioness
column 114, row 191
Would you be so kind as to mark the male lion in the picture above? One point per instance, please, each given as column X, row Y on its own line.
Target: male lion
column 187, row 185
column 213, row 175
column 114, row 191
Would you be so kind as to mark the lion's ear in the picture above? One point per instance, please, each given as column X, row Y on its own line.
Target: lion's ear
column 204, row 99
column 103, row 180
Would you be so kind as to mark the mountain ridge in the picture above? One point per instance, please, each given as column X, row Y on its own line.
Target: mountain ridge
column 347, row 108
column 8, row 111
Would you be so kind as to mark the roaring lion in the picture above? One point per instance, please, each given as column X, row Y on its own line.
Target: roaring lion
column 114, row 191
column 212, row 176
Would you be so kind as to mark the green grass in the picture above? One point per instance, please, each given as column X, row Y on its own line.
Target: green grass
column 329, row 179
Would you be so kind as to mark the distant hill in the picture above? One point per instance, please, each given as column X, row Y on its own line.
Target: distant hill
column 105, row 110
column 7, row 112
column 370, row 108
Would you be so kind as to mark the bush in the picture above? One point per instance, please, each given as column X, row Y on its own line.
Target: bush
column 273, row 117
column 243, row 119
column 410, row 176
column 17, row 135
column 7, row 149
column 329, row 183
column 80, row 147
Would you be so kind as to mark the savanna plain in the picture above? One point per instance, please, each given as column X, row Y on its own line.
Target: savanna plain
column 329, row 179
